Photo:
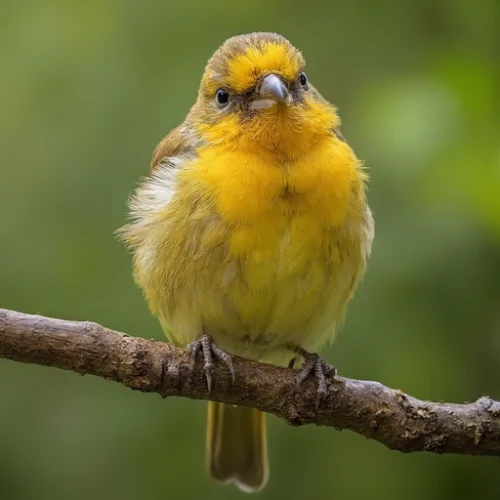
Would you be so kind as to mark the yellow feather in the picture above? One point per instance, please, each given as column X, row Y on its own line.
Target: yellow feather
column 281, row 59
column 272, row 259
column 252, row 228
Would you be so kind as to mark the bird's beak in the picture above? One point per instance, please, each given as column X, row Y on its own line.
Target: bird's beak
column 272, row 91
column 273, row 88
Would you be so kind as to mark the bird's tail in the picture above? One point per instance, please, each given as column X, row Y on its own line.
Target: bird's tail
column 237, row 446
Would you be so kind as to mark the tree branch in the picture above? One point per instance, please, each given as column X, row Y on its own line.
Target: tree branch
column 389, row 416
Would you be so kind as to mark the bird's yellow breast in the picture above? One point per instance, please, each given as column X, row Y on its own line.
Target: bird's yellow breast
column 255, row 188
column 255, row 252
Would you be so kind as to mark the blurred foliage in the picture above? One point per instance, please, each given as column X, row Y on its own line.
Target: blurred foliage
column 88, row 88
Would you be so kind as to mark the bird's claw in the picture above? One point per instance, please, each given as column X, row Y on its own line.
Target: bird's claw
column 316, row 367
column 207, row 346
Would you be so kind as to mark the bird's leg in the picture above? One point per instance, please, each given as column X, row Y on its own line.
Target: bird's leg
column 208, row 348
column 316, row 367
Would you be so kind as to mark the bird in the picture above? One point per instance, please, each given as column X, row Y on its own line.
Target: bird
column 251, row 232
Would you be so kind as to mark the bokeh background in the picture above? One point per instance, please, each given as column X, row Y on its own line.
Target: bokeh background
column 88, row 88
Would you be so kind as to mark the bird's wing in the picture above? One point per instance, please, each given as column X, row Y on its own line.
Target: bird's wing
column 176, row 143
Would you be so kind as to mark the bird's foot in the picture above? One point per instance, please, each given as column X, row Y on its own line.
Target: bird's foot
column 209, row 348
column 316, row 367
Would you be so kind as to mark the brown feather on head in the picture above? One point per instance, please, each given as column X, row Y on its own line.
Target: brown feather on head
column 240, row 66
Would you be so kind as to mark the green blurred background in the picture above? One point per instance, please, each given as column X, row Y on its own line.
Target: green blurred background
column 88, row 88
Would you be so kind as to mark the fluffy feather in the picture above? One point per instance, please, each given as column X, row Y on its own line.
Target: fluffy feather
column 253, row 225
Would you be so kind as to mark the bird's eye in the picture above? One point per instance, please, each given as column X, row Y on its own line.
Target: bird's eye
column 222, row 98
column 303, row 79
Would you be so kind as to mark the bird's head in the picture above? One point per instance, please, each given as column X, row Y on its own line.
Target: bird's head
column 255, row 92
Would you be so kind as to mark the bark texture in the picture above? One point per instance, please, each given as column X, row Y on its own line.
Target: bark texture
column 395, row 419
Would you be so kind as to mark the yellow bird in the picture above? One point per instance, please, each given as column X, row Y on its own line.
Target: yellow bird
column 252, row 231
